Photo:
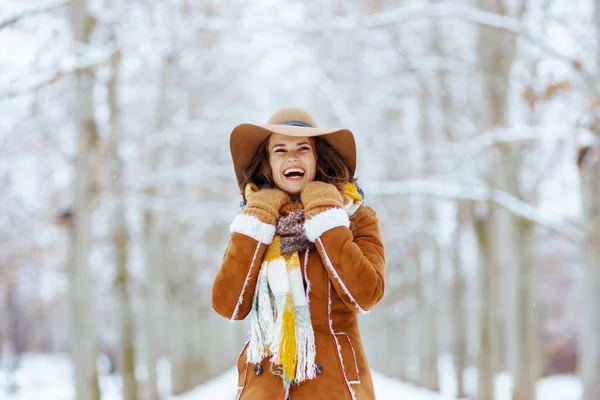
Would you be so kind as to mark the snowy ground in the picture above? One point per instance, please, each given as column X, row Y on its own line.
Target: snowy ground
column 48, row 378
column 555, row 388
column 223, row 386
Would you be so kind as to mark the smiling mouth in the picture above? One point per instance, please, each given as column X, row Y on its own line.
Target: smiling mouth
column 294, row 173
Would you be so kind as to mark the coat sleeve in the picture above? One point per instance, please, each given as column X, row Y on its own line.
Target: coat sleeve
column 235, row 282
column 354, row 258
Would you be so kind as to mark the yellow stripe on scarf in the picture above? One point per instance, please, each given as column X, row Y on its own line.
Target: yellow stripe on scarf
column 351, row 191
column 292, row 261
column 287, row 347
column 273, row 251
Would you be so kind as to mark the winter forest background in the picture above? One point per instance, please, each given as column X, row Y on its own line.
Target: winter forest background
column 478, row 127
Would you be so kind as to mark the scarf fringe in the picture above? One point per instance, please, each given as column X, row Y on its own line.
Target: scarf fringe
column 305, row 339
column 286, row 353
column 263, row 322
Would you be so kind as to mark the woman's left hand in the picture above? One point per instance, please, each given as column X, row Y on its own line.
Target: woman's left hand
column 319, row 196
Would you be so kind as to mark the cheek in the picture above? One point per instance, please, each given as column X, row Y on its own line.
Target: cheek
column 273, row 165
column 312, row 163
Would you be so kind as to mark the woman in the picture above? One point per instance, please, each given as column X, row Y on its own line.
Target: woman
column 305, row 256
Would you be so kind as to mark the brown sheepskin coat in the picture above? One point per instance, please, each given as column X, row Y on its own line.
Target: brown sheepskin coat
column 344, row 275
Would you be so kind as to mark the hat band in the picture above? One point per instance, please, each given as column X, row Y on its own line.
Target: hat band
column 296, row 123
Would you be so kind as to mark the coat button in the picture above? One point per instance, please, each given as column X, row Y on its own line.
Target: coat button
column 318, row 369
column 258, row 369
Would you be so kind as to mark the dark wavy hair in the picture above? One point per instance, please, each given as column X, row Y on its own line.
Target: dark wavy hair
column 331, row 168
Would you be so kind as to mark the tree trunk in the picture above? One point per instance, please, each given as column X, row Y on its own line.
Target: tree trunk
column 525, row 373
column 121, row 243
column 429, row 317
column 155, row 285
column 183, row 311
column 429, row 265
column 589, row 353
column 589, row 364
column 496, row 51
column 458, row 297
column 178, row 346
column 11, row 321
column 83, row 334
column 484, row 225
column 153, row 292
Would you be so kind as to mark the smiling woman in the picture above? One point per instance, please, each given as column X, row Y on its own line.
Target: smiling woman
column 292, row 161
column 308, row 159
column 300, row 203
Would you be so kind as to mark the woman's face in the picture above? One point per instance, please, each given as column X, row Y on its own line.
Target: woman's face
column 293, row 162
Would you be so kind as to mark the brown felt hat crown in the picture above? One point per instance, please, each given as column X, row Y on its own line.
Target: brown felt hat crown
column 245, row 139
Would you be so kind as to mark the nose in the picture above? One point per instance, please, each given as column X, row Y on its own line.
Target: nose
column 292, row 156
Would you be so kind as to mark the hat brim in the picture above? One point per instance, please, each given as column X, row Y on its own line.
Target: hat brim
column 245, row 140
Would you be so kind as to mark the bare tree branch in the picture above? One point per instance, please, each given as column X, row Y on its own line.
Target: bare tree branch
column 470, row 14
column 33, row 8
column 398, row 15
column 32, row 83
column 458, row 191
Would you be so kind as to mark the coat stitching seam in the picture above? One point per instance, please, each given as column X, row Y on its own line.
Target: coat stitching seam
column 306, row 274
column 330, row 266
column 337, row 344
column 241, row 296
column 245, row 371
column 354, row 354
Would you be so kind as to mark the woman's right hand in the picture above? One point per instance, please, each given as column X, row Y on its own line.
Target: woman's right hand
column 265, row 204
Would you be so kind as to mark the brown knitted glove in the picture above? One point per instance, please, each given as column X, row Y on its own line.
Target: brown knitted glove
column 265, row 204
column 319, row 196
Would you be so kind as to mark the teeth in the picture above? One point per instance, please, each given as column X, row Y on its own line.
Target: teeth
column 290, row 170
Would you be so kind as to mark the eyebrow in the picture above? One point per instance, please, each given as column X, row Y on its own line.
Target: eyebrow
column 297, row 144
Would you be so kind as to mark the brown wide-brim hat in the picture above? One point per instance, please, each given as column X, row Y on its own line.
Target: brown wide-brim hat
column 245, row 139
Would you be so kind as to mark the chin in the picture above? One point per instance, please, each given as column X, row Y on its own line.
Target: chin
column 293, row 190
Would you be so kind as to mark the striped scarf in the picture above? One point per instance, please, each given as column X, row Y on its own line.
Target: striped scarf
column 281, row 325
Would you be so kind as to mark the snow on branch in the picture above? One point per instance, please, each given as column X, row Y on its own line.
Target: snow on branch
column 29, row 9
column 470, row 14
column 441, row 10
column 36, row 81
column 516, row 135
column 458, row 191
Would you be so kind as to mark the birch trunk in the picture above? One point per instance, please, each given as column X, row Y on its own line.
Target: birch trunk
column 589, row 357
column 459, row 348
column 183, row 311
column 484, row 225
column 153, row 310
column 523, row 325
column 121, row 242
column 183, row 315
column 429, row 318
column 421, row 298
column 429, row 266
column 83, row 334
column 154, row 246
column 458, row 311
column 525, row 371
column 178, row 344
column 496, row 51
column 10, row 319
column 589, row 363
